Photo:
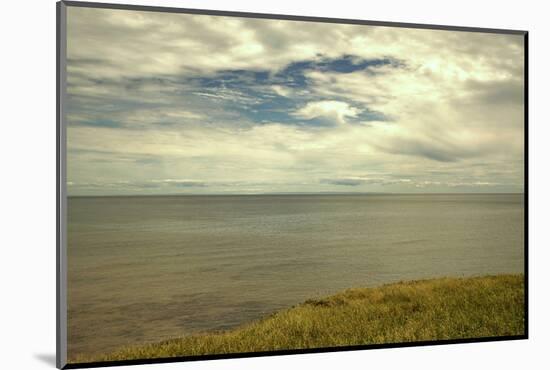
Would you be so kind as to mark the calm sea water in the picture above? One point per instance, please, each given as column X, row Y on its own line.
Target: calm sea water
column 144, row 269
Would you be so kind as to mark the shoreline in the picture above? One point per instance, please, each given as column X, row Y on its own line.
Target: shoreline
column 406, row 311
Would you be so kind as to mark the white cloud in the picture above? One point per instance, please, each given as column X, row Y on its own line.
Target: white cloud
column 335, row 111
column 117, row 43
column 281, row 90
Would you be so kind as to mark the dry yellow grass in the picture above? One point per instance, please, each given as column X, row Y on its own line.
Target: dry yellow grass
column 437, row 309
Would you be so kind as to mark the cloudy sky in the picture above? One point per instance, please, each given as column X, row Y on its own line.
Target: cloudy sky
column 163, row 103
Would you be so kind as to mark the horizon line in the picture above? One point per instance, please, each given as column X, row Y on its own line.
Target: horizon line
column 288, row 193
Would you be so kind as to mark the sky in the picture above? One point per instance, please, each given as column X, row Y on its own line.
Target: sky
column 162, row 103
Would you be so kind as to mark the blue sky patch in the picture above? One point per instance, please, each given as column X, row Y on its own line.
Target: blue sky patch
column 249, row 93
column 231, row 95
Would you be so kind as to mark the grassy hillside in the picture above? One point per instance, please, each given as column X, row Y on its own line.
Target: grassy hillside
column 447, row 308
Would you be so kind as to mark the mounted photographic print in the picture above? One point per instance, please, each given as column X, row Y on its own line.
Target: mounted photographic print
column 237, row 184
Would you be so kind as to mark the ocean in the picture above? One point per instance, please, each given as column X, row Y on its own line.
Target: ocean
column 147, row 268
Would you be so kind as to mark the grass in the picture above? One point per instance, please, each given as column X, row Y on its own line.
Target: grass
column 436, row 309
